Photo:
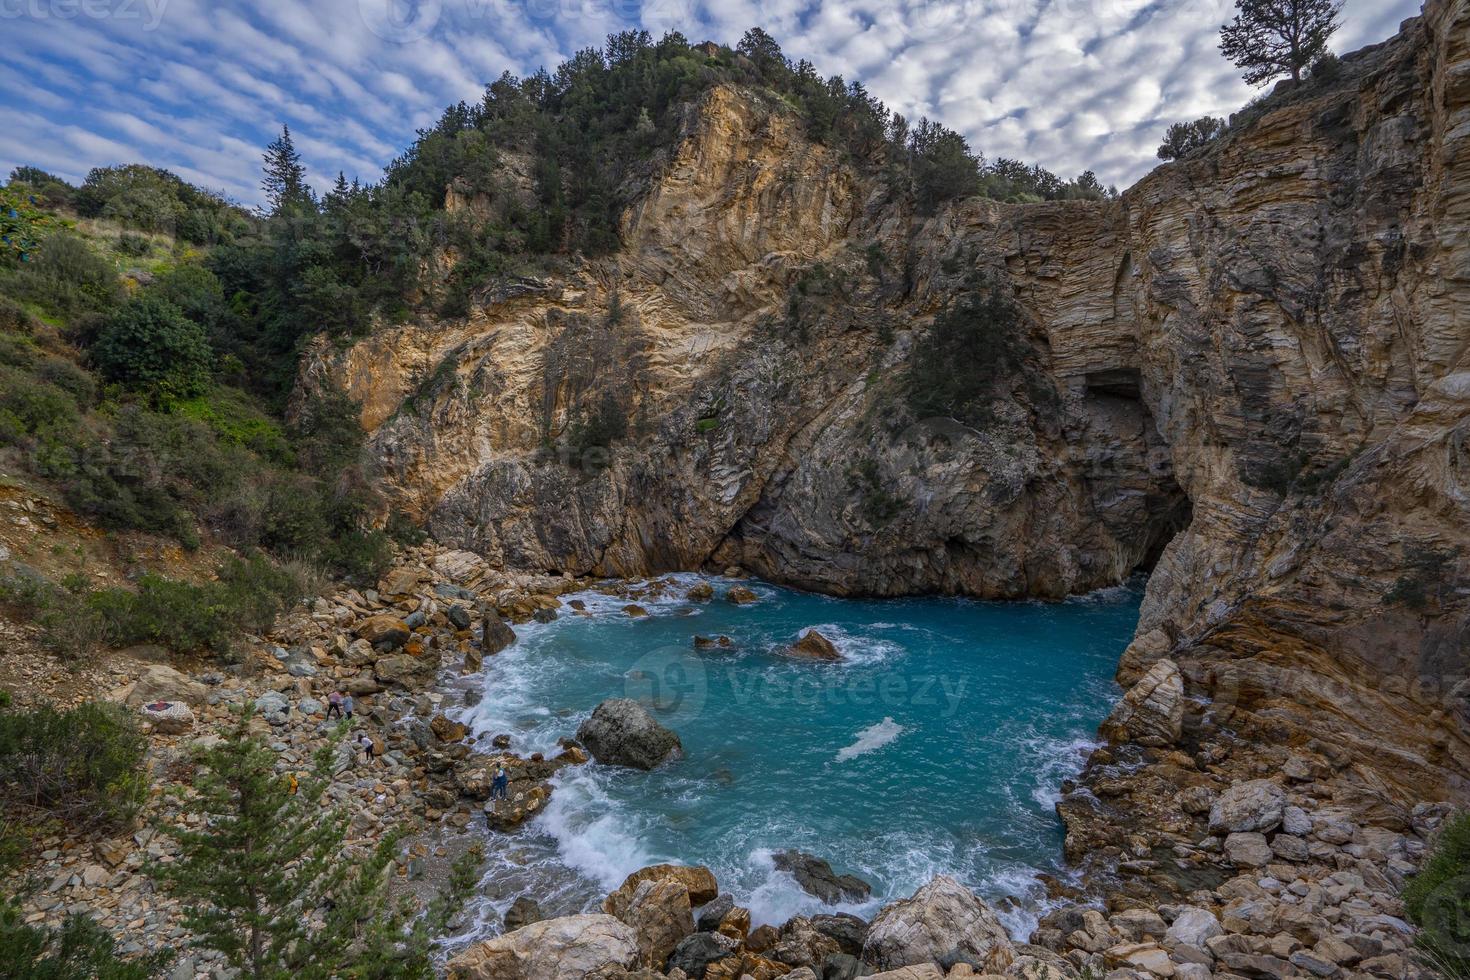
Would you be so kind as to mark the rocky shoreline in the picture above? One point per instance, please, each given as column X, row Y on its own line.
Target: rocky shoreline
column 1200, row 852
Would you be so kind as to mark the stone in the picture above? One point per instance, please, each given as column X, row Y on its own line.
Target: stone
column 740, row 595
column 700, row 592
column 1247, row 850
column 447, row 731
column 273, row 707
column 816, row 877
column 168, row 717
column 159, row 682
column 635, row 611
column 1294, row 821
column 812, row 645
column 522, row 912
column 1192, row 926
column 384, row 632
column 714, row 912
column 406, row 671
column 847, row 931
column 1256, row 805
column 565, row 948
column 1290, row 848
column 940, row 917
column 400, row 581
column 802, row 945
column 1152, row 711
column 696, row 952
column 621, row 732
column 698, row 881
column 922, row 971
column 659, row 913
column 495, row 633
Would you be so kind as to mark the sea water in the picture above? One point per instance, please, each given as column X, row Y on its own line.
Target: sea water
column 937, row 745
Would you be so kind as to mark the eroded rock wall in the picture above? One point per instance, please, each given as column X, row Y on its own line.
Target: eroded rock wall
column 1262, row 347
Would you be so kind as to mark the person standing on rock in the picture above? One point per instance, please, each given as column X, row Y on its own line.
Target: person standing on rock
column 334, row 703
column 366, row 742
column 499, row 786
column 347, row 705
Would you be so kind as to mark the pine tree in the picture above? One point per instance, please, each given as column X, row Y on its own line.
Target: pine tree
column 285, row 177
column 267, row 882
column 1184, row 138
column 1269, row 38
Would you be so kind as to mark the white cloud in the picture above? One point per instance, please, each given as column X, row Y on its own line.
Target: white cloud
column 1069, row 84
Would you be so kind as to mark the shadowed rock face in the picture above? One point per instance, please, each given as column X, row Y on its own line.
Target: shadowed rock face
column 1248, row 374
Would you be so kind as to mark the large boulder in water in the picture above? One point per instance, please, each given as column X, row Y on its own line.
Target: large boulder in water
column 567, row 948
column 814, row 646
column 622, row 733
column 816, row 878
column 1152, row 712
column 940, row 920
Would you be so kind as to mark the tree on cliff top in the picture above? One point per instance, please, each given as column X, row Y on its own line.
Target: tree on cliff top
column 285, row 176
column 1269, row 38
column 268, row 882
column 1183, row 138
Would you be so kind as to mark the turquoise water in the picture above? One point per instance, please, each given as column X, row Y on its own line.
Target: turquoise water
column 937, row 745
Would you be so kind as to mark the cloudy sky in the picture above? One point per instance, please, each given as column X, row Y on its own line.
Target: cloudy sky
column 200, row 86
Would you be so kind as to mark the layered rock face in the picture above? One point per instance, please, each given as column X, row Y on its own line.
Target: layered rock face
column 1250, row 370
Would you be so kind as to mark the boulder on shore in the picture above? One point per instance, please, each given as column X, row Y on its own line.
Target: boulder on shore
column 622, row 733
column 384, row 632
column 553, row 949
column 659, row 913
column 406, row 671
column 941, row 918
column 1256, row 805
column 698, row 881
column 1152, row 712
column 158, row 682
column 495, row 634
column 816, row 878
column 814, row 646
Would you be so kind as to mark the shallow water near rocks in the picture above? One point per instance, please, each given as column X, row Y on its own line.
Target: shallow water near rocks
column 937, row 745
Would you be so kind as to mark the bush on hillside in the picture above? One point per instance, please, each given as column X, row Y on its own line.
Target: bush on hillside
column 149, row 346
column 1437, row 899
column 79, row 950
column 64, row 278
column 82, row 766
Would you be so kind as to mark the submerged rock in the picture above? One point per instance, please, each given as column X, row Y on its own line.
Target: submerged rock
column 700, row 592
column 622, row 733
column 940, row 918
column 816, row 878
column 522, row 912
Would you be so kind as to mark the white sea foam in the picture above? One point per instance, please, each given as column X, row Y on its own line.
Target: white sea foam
column 871, row 739
column 856, row 649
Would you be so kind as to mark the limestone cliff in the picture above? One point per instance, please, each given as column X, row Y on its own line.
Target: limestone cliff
column 1250, row 370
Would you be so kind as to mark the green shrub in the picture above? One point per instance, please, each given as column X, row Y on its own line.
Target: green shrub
column 134, row 245
column 65, row 278
column 83, row 766
column 149, row 346
column 186, row 618
column 973, row 343
column 32, row 407
column 79, row 950
column 1437, row 899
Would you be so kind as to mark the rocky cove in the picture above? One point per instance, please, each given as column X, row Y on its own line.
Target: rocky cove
column 1238, row 393
column 1191, row 851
